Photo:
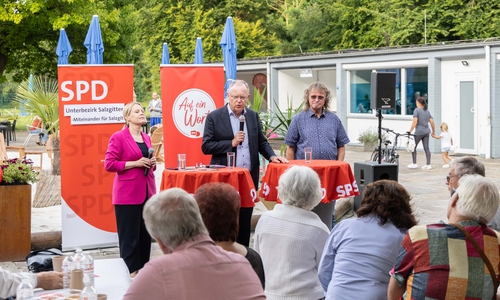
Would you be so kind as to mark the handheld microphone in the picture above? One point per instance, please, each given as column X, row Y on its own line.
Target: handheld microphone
column 242, row 124
column 150, row 154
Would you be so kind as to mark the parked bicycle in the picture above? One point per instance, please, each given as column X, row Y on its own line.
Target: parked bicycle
column 390, row 153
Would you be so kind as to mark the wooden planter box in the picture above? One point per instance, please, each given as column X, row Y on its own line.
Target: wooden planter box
column 15, row 222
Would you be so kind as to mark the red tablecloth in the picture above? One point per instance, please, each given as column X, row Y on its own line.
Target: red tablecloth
column 337, row 179
column 190, row 180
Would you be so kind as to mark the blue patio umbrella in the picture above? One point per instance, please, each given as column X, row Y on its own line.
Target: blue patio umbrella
column 93, row 42
column 198, row 52
column 63, row 48
column 165, row 56
column 228, row 45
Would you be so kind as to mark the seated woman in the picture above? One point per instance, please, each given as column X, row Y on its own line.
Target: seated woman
column 219, row 205
column 290, row 238
column 360, row 252
column 444, row 261
column 37, row 127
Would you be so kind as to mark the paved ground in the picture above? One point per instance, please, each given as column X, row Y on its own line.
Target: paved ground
column 428, row 189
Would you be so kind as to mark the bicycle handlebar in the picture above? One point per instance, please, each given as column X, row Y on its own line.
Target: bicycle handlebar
column 397, row 134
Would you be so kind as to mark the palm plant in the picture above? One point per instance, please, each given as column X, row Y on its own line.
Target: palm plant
column 40, row 98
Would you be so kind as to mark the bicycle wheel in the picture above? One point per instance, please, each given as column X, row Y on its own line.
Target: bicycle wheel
column 394, row 160
column 374, row 156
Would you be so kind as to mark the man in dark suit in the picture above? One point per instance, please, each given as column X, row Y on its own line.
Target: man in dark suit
column 222, row 134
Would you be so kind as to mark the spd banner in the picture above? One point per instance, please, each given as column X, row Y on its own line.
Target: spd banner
column 189, row 94
column 91, row 101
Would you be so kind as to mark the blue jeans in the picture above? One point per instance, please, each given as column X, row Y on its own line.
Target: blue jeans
column 42, row 134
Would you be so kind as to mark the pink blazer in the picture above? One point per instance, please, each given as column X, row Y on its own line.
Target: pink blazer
column 129, row 186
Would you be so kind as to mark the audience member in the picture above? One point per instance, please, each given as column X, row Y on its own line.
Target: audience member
column 219, row 205
column 290, row 238
column 360, row 251
column 444, row 261
column 155, row 110
column 222, row 134
column 10, row 281
column 134, row 183
column 468, row 165
column 192, row 266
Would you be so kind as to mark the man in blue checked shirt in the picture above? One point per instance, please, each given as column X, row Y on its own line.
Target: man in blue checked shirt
column 319, row 128
column 316, row 127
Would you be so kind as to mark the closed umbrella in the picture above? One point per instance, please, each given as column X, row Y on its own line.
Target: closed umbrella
column 228, row 45
column 63, row 48
column 165, row 56
column 198, row 52
column 93, row 42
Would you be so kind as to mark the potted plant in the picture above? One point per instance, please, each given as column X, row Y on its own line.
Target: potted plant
column 369, row 138
column 15, row 204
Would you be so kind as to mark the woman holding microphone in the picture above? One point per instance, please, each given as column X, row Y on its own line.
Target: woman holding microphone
column 130, row 157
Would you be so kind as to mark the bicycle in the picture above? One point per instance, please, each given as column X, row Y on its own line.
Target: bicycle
column 390, row 154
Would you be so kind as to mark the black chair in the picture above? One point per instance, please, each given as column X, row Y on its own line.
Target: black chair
column 5, row 128
column 13, row 130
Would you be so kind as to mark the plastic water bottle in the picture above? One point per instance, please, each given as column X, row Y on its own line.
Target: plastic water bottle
column 25, row 291
column 88, row 266
column 78, row 258
column 88, row 292
column 68, row 265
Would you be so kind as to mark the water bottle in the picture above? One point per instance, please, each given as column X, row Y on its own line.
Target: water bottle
column 88, row 266
column 25, row 290
column 78, row 258
column 88, row 292
column 68, row 265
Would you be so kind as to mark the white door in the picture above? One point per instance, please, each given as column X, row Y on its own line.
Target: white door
column 465, row 135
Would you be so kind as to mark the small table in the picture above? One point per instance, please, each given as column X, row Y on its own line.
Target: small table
column 111, row 278
column 337, row 181
column 191, row 179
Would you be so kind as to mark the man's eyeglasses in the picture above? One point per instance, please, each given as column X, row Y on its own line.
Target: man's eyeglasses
column 236, row 97
column 449, row 177
column 319, row 97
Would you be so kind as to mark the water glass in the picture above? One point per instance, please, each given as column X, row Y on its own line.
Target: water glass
column 181, row 162
column 308, row 154
column 231, row 160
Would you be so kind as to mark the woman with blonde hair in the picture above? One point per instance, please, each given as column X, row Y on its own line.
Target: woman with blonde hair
column 128, row 157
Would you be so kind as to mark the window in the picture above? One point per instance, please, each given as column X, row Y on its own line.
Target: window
column 413, row 85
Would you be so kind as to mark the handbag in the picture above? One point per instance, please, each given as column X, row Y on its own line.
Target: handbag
column 483, row 256
column 41, row 260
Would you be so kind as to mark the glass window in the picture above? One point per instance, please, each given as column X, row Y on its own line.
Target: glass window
column 416, row 86
column 360, row 91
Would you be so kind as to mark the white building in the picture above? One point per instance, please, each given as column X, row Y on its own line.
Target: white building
column 461, row 81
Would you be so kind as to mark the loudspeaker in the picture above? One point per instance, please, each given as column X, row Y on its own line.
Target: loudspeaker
column 383, row 91
column 371, row 171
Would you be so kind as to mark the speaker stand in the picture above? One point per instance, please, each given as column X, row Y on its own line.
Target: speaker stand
column 379, row 115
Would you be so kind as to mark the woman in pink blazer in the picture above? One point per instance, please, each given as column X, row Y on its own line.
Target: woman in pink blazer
column 128, row 157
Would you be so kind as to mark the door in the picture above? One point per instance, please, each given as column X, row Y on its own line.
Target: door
column 466, row 141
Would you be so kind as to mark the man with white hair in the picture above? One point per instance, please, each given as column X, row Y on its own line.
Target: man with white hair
column 468, row 165
column 445, row 261
column 193, row 267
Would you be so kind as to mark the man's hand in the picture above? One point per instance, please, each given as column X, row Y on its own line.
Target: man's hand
column 238, row 138
column 49, row 280
column 278, row 159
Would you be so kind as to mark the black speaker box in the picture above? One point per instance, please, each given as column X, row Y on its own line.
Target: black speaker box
column 383, row 91
column 371, row 171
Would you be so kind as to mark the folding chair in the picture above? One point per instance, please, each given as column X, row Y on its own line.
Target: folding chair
column 156, row 141
column 26, row 141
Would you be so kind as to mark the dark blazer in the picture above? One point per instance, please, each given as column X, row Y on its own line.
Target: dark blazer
column 129, row 186
column 218, row 136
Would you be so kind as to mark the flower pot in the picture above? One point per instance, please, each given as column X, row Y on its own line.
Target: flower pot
column 15, row 222
column 369, row 147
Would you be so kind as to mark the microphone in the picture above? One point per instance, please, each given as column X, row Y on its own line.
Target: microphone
column 150, row 154
column 242, row 124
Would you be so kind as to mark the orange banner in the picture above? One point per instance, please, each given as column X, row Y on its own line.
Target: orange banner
column 189, row 94
column 91, row 101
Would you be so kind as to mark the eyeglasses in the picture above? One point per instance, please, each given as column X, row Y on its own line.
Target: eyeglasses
column 320, row 98
column 236, row 97
column 449, row 177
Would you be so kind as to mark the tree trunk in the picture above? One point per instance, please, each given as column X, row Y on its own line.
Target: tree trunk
column 56, row 150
